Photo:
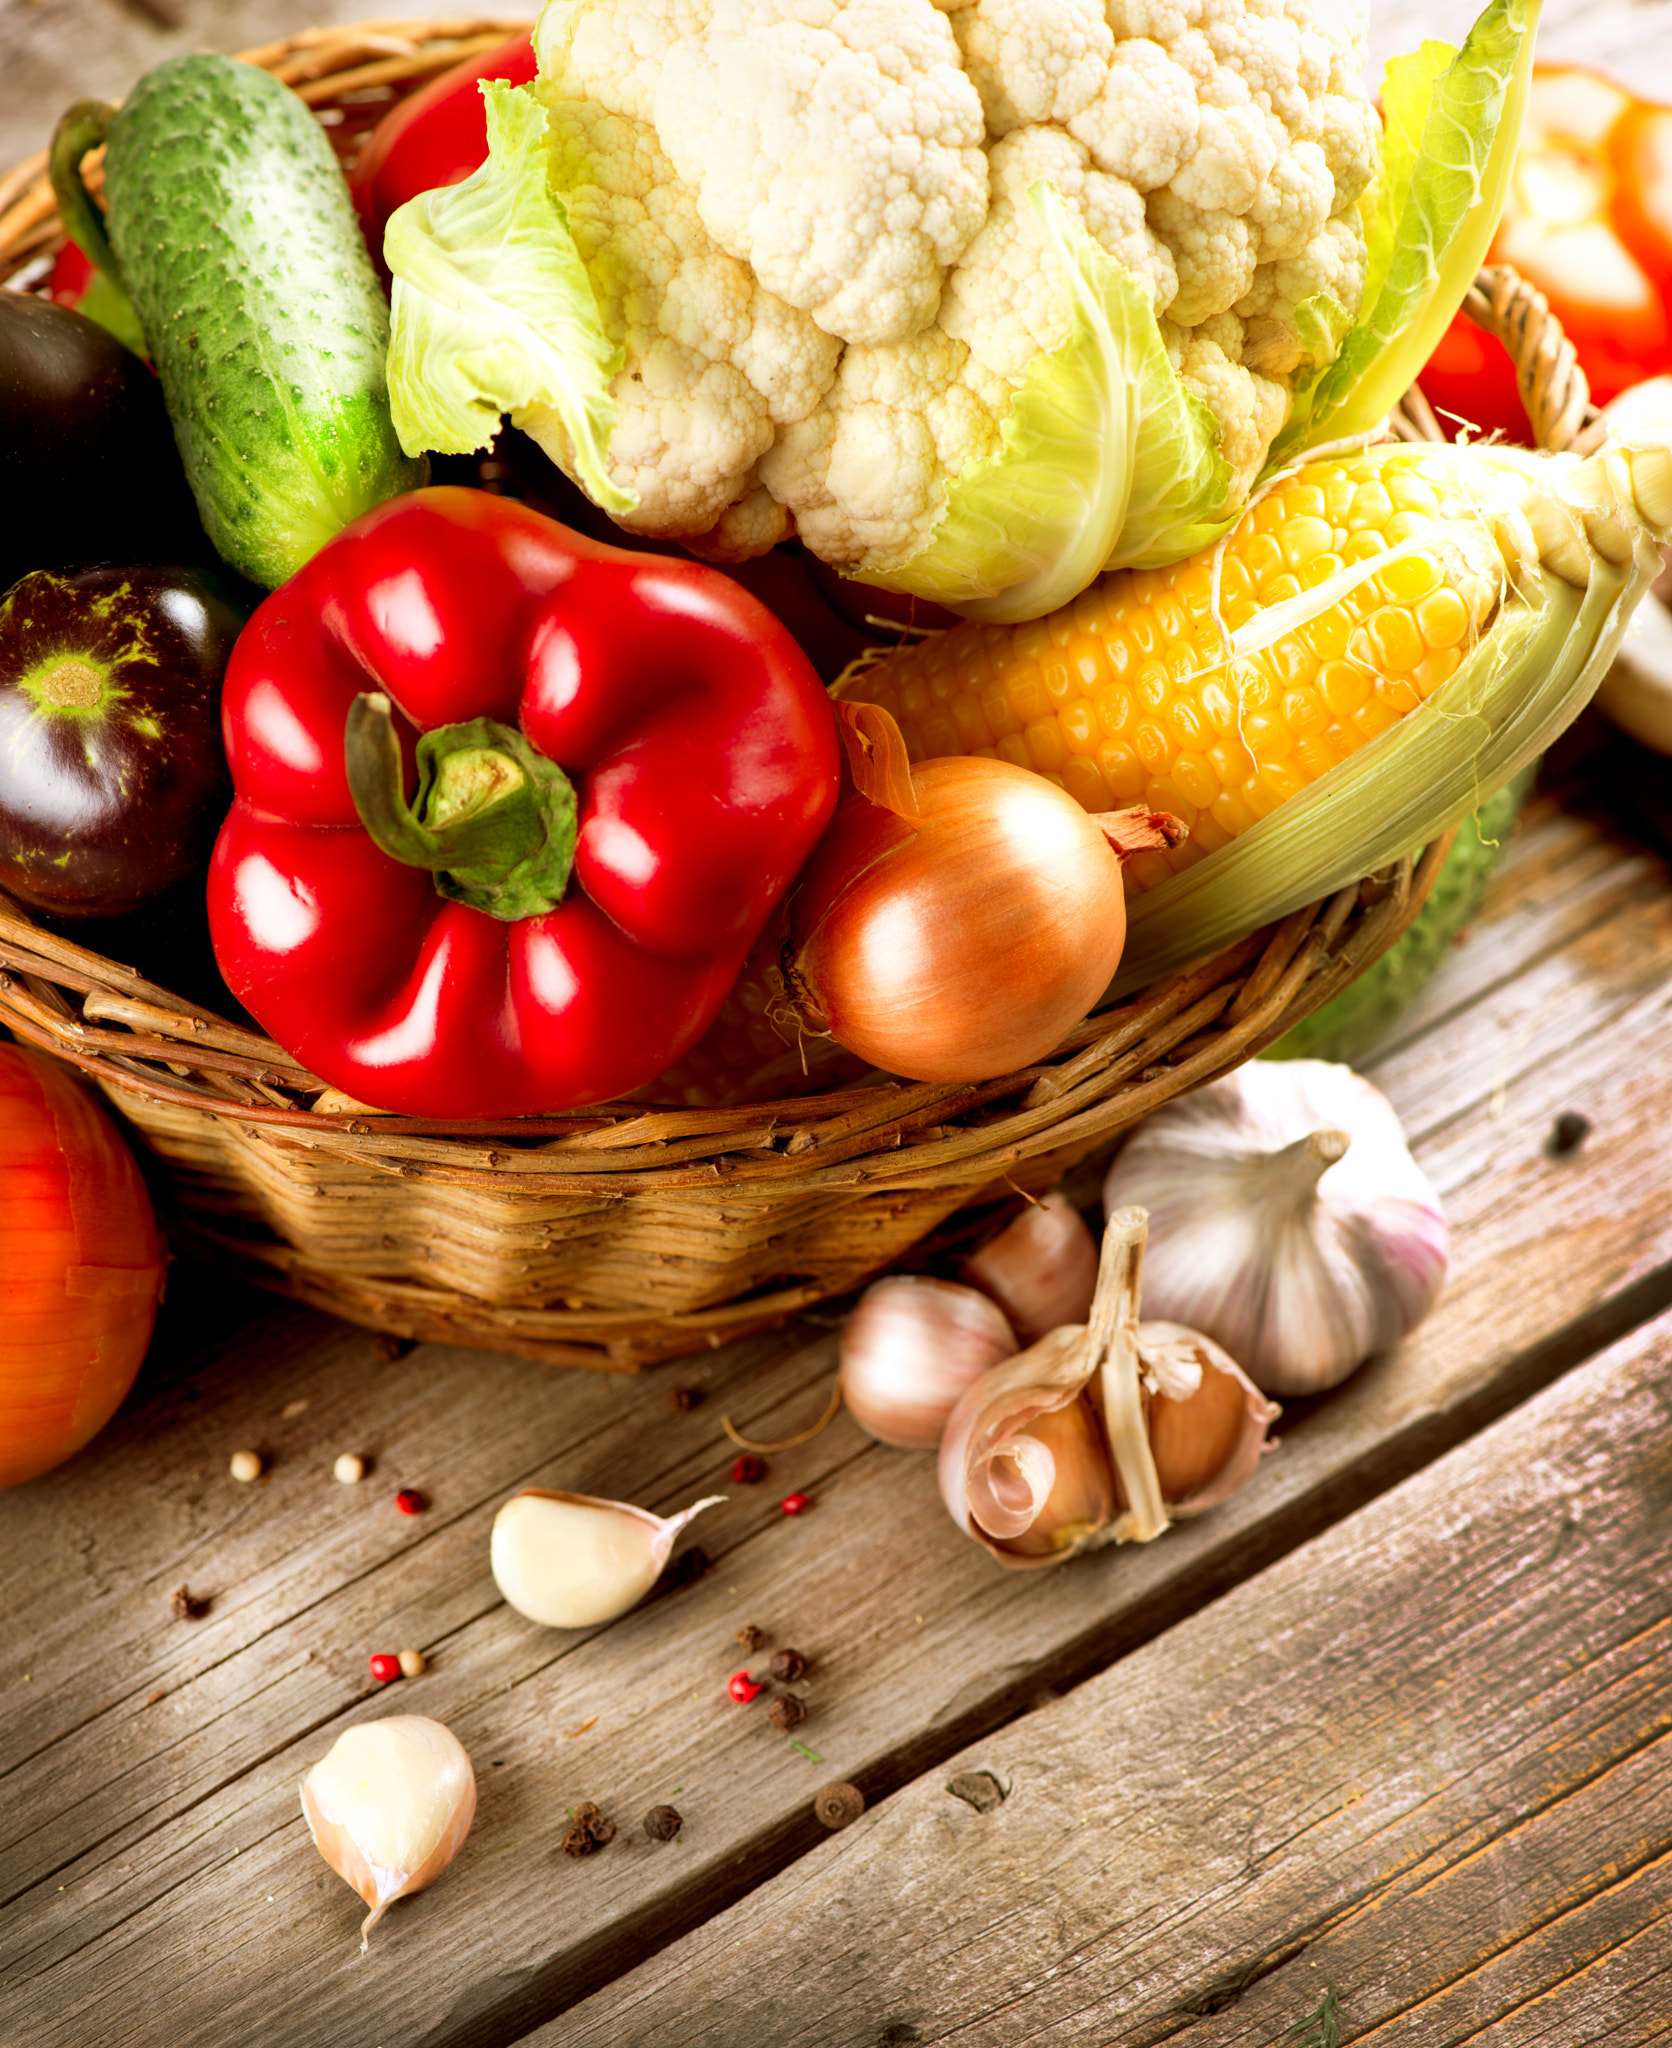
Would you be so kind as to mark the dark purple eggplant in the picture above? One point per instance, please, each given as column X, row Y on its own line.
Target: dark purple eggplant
column 88, row 467
column 113, row 782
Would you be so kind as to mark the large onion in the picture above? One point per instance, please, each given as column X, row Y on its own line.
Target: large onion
column 963, row 942
column 81, row 1266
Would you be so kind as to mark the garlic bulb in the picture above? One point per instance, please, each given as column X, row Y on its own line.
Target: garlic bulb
column 1041, row 1269
column 1289, row 1221
column 910, row 1348
column 568, row 1560
column 389, row 1806
column 1112, row 1414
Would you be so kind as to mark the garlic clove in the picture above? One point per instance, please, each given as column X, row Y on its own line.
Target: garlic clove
column 909, row 1350
column 1289, row 1221
column 389, row 1806
column 568, row 1560
column 1072, row 1487
column 1208, row 1422
column 999, row 1471
column 1041, row 1269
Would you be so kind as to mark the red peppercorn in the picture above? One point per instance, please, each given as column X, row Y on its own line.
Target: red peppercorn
column 410, row 1501
column 385, row 1668
column 743, row 1687
column 748, row 1470
column 795, row 1503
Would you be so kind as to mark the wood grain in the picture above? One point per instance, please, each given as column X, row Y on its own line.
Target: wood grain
column 1425, row 1762
column 189, row 1886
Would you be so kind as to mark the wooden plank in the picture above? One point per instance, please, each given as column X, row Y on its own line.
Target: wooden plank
column 1425, row 1762
column 189, row 1886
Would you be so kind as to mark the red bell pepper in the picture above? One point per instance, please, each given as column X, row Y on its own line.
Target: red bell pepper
column 507, row 940
column 437, row 136
column 1588, row 219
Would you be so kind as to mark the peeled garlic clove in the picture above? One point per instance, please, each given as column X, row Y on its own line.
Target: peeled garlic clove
column 1041, row 1269
column 1006, row 1472
column 1207, row 1420
column 910, row 1348
column 1288, row 1220
column 568, row 1560
column 389, row 1806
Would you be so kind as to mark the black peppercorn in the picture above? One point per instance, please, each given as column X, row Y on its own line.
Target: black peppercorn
column 662, row 1823
column 787, row 1711
column 185, row 1607
column 751, row 1637
column 683, row 1399
column 589, row 1831
column 788, row 1665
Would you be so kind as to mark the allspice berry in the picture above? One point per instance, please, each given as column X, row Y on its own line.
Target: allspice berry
column 788, row 1665
column 751, row 1637
column 839, row 1805
column 786, row 1711
column 662, row 1823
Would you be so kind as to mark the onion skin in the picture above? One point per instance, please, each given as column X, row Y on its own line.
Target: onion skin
column 965, row 942
column 81, row 1267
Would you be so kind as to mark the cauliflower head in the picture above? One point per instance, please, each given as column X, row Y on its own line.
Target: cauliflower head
column 843, row 268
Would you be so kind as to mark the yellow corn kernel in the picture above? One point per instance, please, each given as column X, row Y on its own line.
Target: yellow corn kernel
column 1134, row 693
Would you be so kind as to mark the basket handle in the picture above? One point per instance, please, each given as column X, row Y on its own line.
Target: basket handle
column 80, row 129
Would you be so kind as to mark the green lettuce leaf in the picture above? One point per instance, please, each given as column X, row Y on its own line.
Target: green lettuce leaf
column 1105, row 459
column 493, row 311
column 1453, row 122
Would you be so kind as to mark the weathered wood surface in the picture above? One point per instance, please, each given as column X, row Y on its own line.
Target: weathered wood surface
column 193, row 1909
column 1425, row 1762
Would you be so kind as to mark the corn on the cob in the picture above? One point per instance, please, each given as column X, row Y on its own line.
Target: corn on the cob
column 1134, row 693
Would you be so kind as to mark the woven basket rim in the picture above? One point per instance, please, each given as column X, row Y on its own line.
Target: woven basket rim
column 146, row 1046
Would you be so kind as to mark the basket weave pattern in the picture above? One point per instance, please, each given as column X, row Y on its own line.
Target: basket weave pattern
column 617, row 1236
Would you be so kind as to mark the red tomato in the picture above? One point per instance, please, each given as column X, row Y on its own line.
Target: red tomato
column 436, row 137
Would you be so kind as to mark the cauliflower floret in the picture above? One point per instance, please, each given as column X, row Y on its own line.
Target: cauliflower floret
column 1006, row 299
column 756, row 523
column 1332, row 262
column 835, row 148
column 1034, row 60
column 1214, row 252
column 1142, row 124
column 714, row 366
column 1249, row 407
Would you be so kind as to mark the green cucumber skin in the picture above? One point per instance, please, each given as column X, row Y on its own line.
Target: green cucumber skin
column 266, row 324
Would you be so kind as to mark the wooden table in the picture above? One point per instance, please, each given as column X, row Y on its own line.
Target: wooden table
column 1390, row 1725
column 1387, row 1731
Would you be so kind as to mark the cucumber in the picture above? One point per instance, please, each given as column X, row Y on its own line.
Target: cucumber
column 231, row 229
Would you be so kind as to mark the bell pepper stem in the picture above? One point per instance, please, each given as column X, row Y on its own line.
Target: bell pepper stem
column 493, row 820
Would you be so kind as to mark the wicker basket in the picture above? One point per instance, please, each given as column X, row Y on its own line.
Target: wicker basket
column 617, row 1236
